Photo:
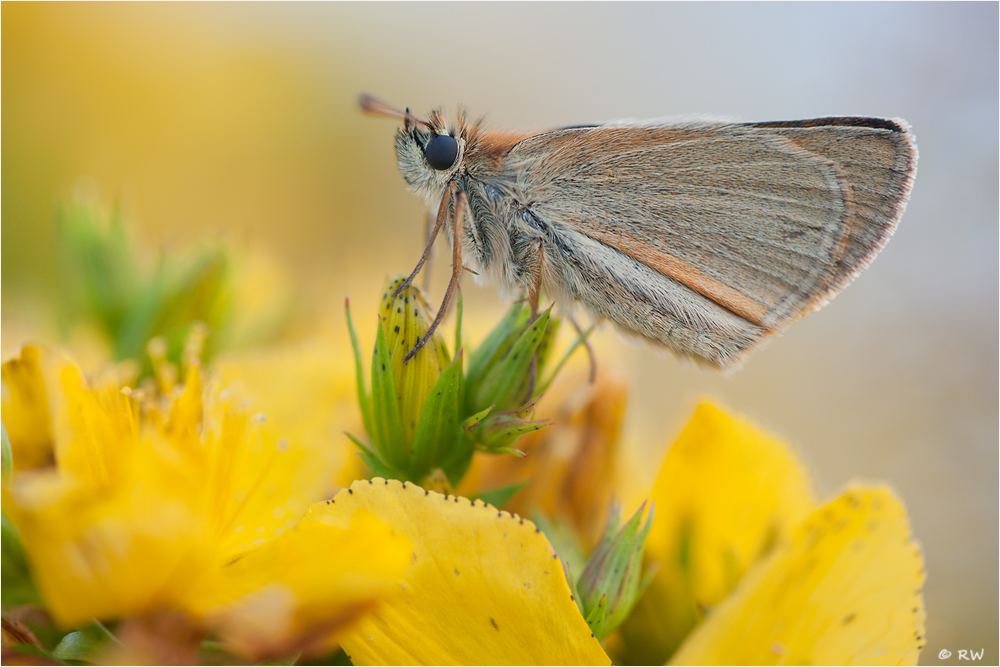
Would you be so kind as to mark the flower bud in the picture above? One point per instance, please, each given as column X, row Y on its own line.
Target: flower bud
column 412, row 413
column 405, row 320
column 425, row 416
column 611, row 583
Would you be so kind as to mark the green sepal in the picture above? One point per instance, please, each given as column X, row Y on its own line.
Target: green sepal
column 495, row 344
column 438, row 430
column 364, row 399
column 597, row 619
column 472, row 421
column 612, row 576
column 371, row 459
column 505, row 382
column 387, row 432
column 546, row 347
column 571, row 580
column 499, row 431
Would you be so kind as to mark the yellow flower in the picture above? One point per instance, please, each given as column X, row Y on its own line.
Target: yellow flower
column 751, row 571
column 185, row 501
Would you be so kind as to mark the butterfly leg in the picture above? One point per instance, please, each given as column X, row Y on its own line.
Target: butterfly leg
column 461, row 204
column 534, row 293
column 442, row 216
column 535, row 287
column 430, row 233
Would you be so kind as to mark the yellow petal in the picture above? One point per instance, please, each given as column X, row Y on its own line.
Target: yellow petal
column 306, row 393
column 726, row 494
column 845, row 591
column 26, row 409
column 484, row 587
column 297, row 590
column 93, row 428
column 110, row 551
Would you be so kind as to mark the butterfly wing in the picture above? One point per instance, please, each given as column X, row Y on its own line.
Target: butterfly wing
column 706, row 237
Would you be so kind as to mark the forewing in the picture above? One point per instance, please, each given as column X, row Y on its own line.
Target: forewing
column 759, row 220
column 878, row 159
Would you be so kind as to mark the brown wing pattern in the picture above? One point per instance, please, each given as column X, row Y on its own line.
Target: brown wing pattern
column 766, row 220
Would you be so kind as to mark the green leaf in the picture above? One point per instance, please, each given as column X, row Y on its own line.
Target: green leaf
column 7, row 454
column 83, row 646
column 500, row 496
column 17, row 586
column 101, row 280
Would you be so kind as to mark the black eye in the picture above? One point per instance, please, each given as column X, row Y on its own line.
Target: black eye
column 441, row 151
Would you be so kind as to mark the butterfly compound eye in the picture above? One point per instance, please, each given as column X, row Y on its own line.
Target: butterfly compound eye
column 441, row 151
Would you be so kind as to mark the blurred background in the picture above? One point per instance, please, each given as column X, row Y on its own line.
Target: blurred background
column 239, row 122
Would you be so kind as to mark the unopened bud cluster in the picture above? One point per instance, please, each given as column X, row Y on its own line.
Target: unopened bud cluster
column 428, row 415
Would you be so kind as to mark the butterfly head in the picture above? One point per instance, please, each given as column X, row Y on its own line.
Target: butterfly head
column 429, row 152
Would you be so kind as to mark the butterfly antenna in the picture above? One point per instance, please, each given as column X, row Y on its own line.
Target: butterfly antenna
column 377, row 107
